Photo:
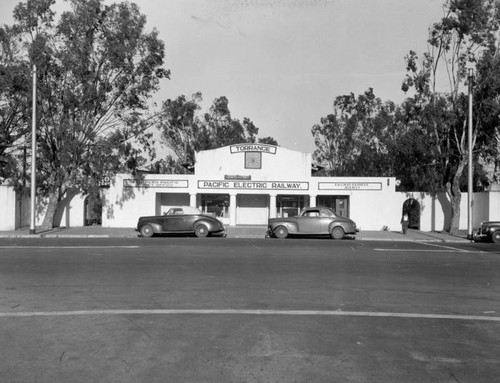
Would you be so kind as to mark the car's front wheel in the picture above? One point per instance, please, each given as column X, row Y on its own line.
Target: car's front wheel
column 337, row 233
column 281, row 232
column 147, row 231
column 201, row 231
column 495, row 236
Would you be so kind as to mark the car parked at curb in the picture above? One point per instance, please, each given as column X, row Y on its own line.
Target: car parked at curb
column 181, row 220
column 488, row 231
column 312, row 221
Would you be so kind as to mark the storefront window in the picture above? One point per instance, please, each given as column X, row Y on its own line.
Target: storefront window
column 339, row 203
column 289, row 205
column 215, row 204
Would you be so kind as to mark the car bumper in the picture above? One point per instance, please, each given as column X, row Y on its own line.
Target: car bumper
column 222, row 233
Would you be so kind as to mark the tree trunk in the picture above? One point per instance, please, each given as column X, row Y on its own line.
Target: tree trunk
column 455, row 195
column 455, row 199
column 48, row 220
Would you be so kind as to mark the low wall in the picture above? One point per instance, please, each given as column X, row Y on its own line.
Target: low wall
column 8, row 208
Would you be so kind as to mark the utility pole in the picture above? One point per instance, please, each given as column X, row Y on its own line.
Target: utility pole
column 469, row 182
column 33, row 157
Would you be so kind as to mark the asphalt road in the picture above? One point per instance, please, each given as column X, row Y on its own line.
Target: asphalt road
column 248, row 310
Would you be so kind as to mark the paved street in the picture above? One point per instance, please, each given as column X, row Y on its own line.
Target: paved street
column 248, row 310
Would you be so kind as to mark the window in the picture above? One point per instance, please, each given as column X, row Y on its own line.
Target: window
column 175, row 211
column 215, row 204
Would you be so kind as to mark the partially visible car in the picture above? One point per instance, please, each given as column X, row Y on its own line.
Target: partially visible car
column 312, row 221
column 181, row 220
column 489, row 231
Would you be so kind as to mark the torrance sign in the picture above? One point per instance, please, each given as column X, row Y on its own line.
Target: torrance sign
column 253, row 148
column 255, row 185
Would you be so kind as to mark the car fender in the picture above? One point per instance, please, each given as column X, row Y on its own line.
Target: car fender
column 334, row 224
column 346, row 226
column 157, row 228
column 211, row 225
column 290, row 226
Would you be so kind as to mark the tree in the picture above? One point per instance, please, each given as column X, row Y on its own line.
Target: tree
column 97, row 67
column 467, row 30
column 14, row 104
column 187, row 131
column 487, row 116
column 355, row 139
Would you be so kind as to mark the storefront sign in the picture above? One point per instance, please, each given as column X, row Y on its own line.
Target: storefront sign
column 149, row 183
column 255, row 185
column 237, row 177
column 253, row 148
column 350, row 185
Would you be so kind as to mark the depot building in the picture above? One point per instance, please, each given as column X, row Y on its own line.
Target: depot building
column 245, row 184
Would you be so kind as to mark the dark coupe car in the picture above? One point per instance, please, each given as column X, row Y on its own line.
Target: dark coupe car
column 180, row 220
column 489, row 230
column 312, row 221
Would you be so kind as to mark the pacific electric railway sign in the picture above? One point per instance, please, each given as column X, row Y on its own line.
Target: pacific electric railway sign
column 255, row 185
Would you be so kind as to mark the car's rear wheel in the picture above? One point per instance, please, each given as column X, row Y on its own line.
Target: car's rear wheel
column 281, row 232
column 201, row 231
column 495, row 237
column 147, row 231
column 337, row 233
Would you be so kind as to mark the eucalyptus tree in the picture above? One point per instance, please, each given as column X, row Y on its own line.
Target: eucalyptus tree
column 356, row 139
column 185, row 129
column 97, row 68
column 14, row 105
column 467, row 30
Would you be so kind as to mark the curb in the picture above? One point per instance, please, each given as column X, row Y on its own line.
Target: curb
column 25, row 236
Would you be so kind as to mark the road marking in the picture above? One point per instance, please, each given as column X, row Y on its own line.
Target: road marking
column 415, row 250
column 433, row 251
column 448, row 247
column 69, row 247
column 250, row 312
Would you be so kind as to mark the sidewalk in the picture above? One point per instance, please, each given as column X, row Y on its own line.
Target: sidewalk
column 232, row 232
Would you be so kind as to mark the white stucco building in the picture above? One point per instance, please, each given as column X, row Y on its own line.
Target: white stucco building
column 246, row 184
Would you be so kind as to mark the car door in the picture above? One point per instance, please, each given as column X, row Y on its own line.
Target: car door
column 309, row 222
column 174, row 220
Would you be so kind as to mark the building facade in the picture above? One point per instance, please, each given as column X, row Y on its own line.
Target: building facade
column 246, row 184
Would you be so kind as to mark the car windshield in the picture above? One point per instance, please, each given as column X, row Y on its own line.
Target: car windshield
column 183, row 210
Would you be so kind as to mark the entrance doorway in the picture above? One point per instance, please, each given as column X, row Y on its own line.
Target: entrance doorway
column 92, row 207
column 412, row 207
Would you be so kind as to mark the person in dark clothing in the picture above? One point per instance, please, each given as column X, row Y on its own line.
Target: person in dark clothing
column 404, row 222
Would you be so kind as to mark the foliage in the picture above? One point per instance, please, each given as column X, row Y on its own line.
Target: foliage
column 467, row 30
column 97, row 67
column 486, row 117
column 14, row 105
column 185, row 130
column 355, row 139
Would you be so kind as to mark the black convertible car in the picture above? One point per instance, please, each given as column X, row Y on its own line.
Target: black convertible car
column 181, row 220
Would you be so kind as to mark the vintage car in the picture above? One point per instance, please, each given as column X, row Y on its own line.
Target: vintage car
column 489, row 231
column 181, row 220
column 312, row 221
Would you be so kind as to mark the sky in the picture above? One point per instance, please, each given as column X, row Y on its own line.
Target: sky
column 282, row 63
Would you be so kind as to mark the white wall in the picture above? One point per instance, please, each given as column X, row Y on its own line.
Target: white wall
column 284, row 164
column 7, row 208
